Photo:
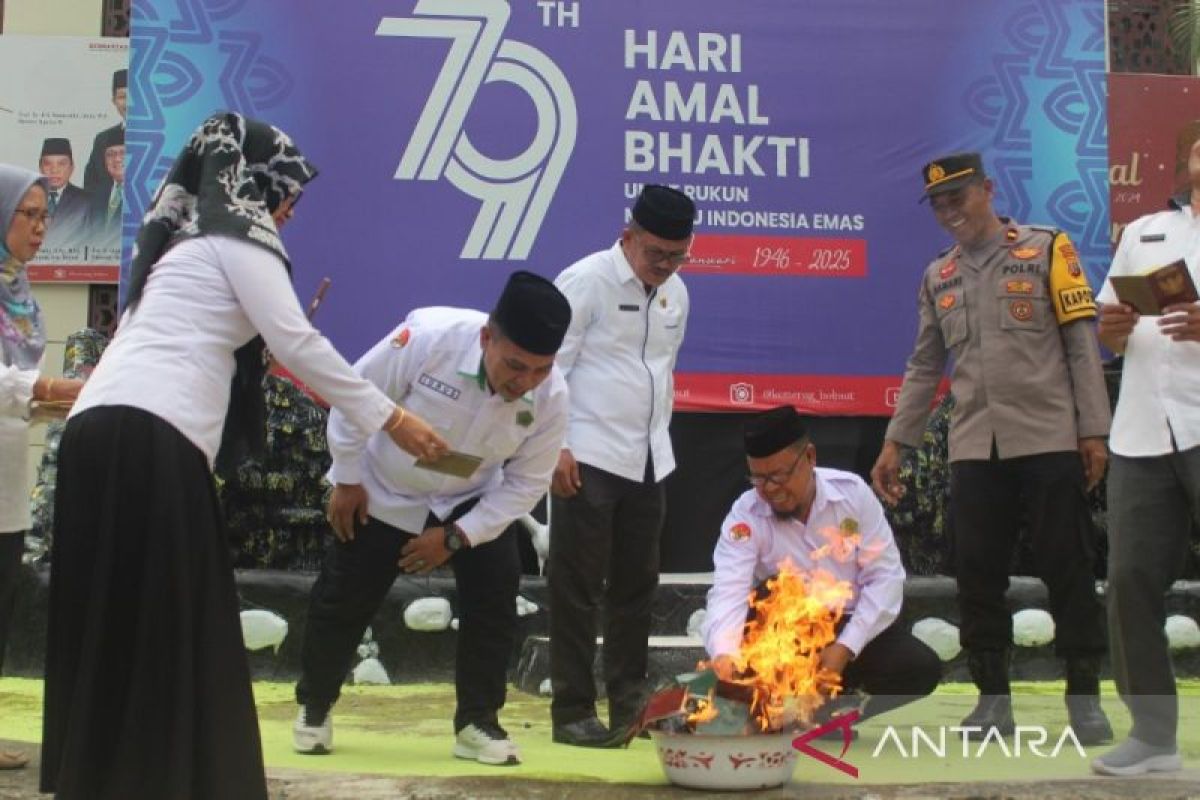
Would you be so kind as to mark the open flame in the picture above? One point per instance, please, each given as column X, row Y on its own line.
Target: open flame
column 780, row 661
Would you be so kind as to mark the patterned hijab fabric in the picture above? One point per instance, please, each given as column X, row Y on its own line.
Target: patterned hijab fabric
column 229, row 178
column 22, row 332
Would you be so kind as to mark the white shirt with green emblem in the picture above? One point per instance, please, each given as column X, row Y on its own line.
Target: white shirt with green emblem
column 846, row 535
column 431, row 364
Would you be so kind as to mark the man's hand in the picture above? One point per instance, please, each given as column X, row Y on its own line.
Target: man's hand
column 725, row 666
column 347, row 505
column 1181, row 321
column 1094, row 453
column 1116, row 323
column 885, row 475
column 415, row 436
column 422, row 554
column 566, row 481
column 834, row 659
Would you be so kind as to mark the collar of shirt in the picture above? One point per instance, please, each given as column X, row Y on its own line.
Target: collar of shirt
column 472, row 366
column 622, row 269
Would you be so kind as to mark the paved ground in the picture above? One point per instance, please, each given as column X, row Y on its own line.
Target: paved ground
column 289, row 784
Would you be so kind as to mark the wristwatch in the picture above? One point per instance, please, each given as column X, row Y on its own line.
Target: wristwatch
column 453, row 538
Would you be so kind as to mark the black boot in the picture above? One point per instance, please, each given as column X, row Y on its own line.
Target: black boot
column 1087, row 718
column 989, row 671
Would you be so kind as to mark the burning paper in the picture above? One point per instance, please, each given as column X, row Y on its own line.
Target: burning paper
column 780, row 679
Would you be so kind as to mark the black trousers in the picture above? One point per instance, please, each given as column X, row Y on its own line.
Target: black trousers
column 355, row 579
column 603, row 555
column 986, row 500
column 12, row 545
column 894, row 668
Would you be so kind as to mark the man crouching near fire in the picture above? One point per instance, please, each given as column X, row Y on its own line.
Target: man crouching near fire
column 819, row 519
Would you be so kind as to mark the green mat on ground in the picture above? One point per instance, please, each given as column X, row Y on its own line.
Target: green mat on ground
column 406, row 730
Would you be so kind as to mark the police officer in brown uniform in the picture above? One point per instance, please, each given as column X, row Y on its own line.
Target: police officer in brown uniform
column 1010, row 303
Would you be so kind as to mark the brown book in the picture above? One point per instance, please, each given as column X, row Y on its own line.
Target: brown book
column 1152, row 291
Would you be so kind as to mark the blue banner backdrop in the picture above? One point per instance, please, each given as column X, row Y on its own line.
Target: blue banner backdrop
column 461, row 139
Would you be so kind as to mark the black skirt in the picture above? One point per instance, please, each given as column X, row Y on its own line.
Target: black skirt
column 147, row 685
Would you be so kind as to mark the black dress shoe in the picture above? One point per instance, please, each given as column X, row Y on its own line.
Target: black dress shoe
column 586, row 732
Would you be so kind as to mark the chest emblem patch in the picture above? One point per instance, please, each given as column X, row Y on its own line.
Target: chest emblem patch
column 524, row 418
column 947, row 301
column 401, row 338
column 1018, row 287
column 1021, row 310
column 739, row 532
column 1026, row 253
column 948, row 269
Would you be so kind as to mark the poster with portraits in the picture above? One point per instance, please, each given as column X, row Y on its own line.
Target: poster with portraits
column 62, row 113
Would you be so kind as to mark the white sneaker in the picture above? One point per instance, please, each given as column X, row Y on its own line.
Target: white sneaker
column 487, row 744
column 1135, row 757
column 312, row 739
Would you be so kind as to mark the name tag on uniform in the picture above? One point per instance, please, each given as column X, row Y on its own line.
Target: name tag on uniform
column 430, row 382
column 625, row 307
column 1153, row 237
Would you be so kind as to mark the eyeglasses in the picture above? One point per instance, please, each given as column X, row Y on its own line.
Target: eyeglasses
column 656, row 256
column 777, row 478
column 35, row 215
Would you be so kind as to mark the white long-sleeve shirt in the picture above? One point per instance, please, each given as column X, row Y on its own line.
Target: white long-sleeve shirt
column 754, row 542
column 16, row 390
column 431, row 364
column 173, row 355
column 1160, row 381
column 618, row 358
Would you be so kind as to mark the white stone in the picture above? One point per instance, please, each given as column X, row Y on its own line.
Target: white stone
column 262, row 628
column 1033, row 627
column 370, row 672
column 544, row 688
column 940, row 635
column 1182, row 632
column 428, row 614
column 526, row 607
column 695, row 623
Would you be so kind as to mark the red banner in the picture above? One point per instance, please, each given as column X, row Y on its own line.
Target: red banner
column 779, row 255
column 73, row 273
column 1152, row 122
column 811, row 394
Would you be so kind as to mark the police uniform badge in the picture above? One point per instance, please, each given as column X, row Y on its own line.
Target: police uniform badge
column 1021, row 310
column 662, row 301
column 849, row 526
column 949, row 269
column 947, row 301
column 739, row 532
column 401, row 338
column 1026, row 253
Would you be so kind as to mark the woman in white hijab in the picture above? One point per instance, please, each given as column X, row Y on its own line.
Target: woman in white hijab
column 22, row 342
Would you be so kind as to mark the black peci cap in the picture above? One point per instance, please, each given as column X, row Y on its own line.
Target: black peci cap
column 533, row 313
column 950, row 172
column 665, row 212
column 57, row 146
column 767, row 433
column 120, row 80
